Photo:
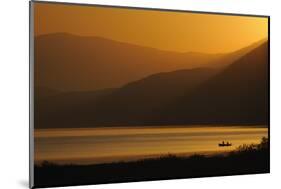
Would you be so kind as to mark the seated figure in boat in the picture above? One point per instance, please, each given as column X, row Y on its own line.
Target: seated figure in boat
column 224, row 144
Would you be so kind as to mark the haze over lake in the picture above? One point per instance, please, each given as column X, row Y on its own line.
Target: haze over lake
column 104, row 145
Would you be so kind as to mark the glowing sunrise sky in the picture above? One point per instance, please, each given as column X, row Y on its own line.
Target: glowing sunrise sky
column 166, row 30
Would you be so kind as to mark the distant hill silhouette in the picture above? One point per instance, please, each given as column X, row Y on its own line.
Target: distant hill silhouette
column 233, row 94
column 68, row 62
column 234, row 56
column 239, row 94
column 62, row 109
column 136, row 101
column 236, row 95
column 128, row 103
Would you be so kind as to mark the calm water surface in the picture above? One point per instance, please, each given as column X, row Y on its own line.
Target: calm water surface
column 100, row 145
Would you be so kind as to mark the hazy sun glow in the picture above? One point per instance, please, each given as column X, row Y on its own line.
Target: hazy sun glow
column 175, row 31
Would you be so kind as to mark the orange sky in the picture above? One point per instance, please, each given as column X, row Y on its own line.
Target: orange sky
column 175, row 31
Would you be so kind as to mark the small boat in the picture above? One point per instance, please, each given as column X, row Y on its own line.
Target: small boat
column 224, row 144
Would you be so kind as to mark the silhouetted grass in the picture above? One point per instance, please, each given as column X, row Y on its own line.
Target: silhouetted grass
column 246, row 159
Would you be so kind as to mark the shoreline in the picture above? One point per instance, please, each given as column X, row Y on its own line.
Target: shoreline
column 250, row 160
column 158, row 127
column 129, row 159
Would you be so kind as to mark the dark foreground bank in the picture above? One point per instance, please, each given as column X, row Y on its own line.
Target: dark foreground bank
column 247, row 159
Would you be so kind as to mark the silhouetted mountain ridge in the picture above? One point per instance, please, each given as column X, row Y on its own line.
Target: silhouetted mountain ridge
column 69, row 62
column 74, row 63
column 237, row 94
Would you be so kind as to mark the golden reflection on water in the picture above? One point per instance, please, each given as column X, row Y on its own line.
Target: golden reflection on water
column 99, row 145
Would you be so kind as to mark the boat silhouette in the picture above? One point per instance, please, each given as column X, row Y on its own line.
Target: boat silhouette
column 223, row 144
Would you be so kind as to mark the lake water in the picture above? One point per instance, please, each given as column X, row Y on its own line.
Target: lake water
column 101, row 145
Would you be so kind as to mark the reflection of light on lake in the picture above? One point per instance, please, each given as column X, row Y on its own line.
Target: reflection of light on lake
column 114, row 144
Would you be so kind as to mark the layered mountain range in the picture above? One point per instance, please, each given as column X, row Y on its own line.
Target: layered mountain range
column 92, row 81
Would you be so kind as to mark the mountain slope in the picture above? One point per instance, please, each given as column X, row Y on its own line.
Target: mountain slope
column 236, row 94
column 138, row 100
column 239, row 94
column 68, row 62
column 124, row 105
column 69, row 109
column 74, row 63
